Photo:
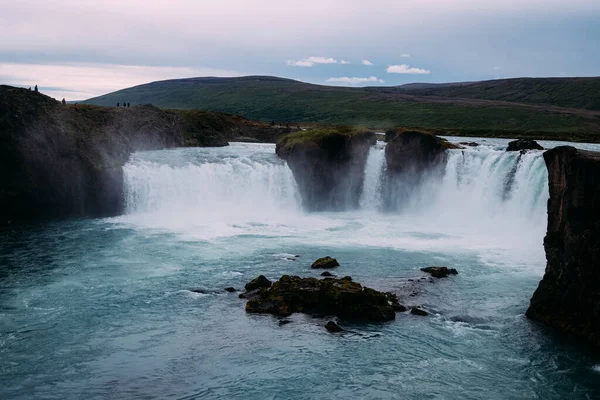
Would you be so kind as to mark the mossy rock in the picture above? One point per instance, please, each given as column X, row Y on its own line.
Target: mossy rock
column 257, row 283
column 325, row 262
column 340, row 297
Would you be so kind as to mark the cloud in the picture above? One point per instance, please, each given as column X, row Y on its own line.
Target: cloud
column 406, row 69
column 497, row 68
column 405, row 55
column 354, row 80
column 344, row 62
column 367, row 62
column 79, row 81
column 310, row 61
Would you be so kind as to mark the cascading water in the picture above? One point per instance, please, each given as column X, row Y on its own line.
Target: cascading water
column 86, row 304
column 485, row 195
column 371, row 196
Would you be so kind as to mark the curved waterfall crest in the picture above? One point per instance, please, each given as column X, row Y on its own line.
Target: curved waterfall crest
column 478, row 184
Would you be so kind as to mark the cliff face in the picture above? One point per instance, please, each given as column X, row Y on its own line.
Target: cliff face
column 60, row 161
column 568, row 297
column 205, row 128
column 411, row 156
column 328, row 165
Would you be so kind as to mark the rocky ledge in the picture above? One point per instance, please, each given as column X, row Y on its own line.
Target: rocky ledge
column 322, row 297
column 328, row 165
column 411, row 156
column 60, row 161
column 568, row 297
column 523, row 145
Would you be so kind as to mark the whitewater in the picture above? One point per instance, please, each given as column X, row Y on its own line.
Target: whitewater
column 102, row 308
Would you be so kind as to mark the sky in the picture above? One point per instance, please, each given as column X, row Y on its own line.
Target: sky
column 78, row 49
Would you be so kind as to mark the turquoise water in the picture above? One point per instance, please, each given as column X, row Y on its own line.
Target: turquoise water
column 102, row 308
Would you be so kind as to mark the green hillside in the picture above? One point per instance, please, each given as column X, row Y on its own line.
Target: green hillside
column 284, row 100
column 562, row 92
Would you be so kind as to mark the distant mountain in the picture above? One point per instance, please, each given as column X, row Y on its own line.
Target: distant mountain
column 464, row 107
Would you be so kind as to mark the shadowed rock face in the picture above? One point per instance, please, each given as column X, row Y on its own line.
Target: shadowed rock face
column 328, row 166
column 59, row 161
column 523, row 145
column 568, row 297
column 410, row 157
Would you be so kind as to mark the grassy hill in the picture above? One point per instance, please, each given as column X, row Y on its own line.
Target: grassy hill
column 284, row 100
column 562, row 92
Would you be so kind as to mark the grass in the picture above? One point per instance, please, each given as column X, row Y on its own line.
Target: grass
column 285, row 101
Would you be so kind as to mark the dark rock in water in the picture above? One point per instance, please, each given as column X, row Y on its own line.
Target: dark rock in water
column 333, row 327
column 412, row 157
column 523, row 145
column 325, row 262
column 472, row 144
column 327, row 273
column 199, row 290
column 284, row 322
column 257, row 283
column 230, row 289
column 328, row 165
column 440, row 272
column 340, row 297
column 568, row 297
column 393, row 300
column 414, row 151
column 418, row 311
column 62, row 161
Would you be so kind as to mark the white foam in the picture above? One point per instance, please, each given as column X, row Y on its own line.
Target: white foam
column 489, row 202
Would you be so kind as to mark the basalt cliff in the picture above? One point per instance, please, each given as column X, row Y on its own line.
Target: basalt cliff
column 568, row 297
column 328, row 165
column 59, row 161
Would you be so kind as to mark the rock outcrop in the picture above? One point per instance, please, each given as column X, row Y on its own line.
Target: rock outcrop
column 523, row 145
column 212, row 129
column 325, row 263
column 60, row 161
column 415, row 151
column 440, row 272
column 568, row 297
column 340, row 297
column 328, row 165
column 411, row 156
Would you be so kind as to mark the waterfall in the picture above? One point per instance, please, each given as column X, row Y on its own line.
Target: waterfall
column 481, row 189
column 371, row 196
column 210, row 184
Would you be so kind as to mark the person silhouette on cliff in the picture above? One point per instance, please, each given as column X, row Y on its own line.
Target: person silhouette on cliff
column 64, row 101
column 118, row 105
column 35, row 89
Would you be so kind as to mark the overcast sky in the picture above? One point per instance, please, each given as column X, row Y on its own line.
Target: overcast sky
column 78, row 49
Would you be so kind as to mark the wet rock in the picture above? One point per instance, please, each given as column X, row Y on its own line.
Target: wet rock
column 199, row 290
column 568, row 297
column 340, row 297
column 284, row 322
column 418, row 311
column 523, row 145
column 256, row 283
column 393, row 300
column 328, row 165
column 440, row 272
column 471, row 144
column 325, row 262
column 230, row 289
column 327, row 273
column 331, row 326
column 412, row 158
